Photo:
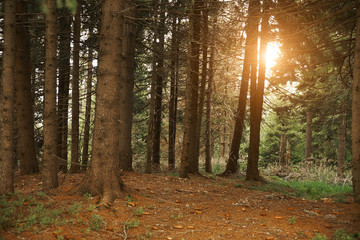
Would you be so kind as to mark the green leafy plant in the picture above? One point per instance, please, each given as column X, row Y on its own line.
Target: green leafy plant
column 341, row 234
column 292, row 220
column 177, row 217
column 96, row 222
column 132, row 224
column 139, row 211
column 319, row 236
column 75, row 208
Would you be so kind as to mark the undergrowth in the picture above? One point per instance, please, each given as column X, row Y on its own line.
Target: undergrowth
column 33, row 213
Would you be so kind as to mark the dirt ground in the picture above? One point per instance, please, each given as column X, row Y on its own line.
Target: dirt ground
column 161, row 206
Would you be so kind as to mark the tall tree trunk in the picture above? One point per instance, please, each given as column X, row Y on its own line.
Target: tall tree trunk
column 282, row 159
column 24, row 101
column 250, row 56
column 208, row 139
column 308, row 134
column 63, row 91
column 159, row 78
column 287, row 152
column 150, row 134
column 50, row 162
column 7, row 99
column 356, row 114
column 173, row 90
column 75, row 163
column 189, row 163
column 341, row 151
column 103, row 176
column 127, row 89
column 204, row 35
column 85, row 152
column 256, row 100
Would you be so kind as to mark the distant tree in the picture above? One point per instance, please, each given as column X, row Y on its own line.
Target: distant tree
column 341, row 150
column 208, row 138
column 7, row 99
column 51, row 165
column 75, row 160
column 103, row 177
column 24, row 101
column 204, row 74
column 64, row 38
column 174, row 79
column 89, row 78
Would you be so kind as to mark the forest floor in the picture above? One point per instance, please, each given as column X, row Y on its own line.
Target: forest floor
column 162, row 206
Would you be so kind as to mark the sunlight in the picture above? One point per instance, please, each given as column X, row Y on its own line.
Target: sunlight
column 272, row 54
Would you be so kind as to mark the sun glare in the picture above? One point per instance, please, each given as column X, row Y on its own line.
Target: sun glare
column 272, row 54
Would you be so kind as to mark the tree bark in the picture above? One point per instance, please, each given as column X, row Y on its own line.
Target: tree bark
column 250, row 57
column 24, row 101
column 85, row 153
column 50, row 162
column 341, row 151
column 7, row 99
column 63, row 88
column 189, row 163
column 103, row 176
column 75, row 160
column 356, row 114
column 173, row 91
column 256, row 100
column 208, row 139
column 159, row 78
column 204, row 46
column 308, row 134
column 282, row 159
column 127, row 89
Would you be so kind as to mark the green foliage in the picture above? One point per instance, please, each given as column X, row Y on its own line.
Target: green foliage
column 139, row 211
column 176, row 217
column 319, row 236
column 75, row 208
column 341, row 234
column 132, row 224
column 96, row 222
column 306, row 189
column 292, row 220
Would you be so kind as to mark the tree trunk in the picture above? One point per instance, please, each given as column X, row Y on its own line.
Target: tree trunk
column 250, row 56
column 103, row 176
column 287, row 152
column 173, row 91
column 189, row 163
column 256, row 100
column 50, row 162
column 24, row 101
column 150, row 137
column 7, row 99
column 308, row 134
column 341, row 151
column 127, row 89
column 75, row 163
column 282, row 157
column 356, row 114
column 159, row 78
column 85, row 153
column 63, row 91
column 208, row 148
column 204, row 35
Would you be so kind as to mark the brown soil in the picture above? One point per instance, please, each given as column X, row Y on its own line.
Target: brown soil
column 167, row 207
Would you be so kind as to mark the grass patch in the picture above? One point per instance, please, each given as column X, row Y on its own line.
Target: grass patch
column 311, row 190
